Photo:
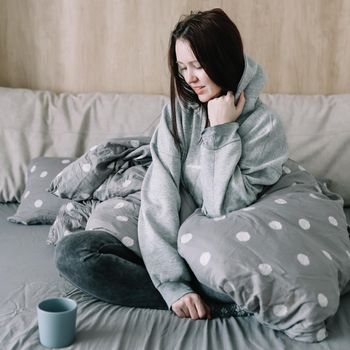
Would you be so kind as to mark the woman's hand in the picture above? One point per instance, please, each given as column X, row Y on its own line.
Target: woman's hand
column 192, row 306
column 223, row 110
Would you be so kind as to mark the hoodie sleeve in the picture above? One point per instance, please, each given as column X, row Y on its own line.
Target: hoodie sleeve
column 159, row 216
column 237, row 161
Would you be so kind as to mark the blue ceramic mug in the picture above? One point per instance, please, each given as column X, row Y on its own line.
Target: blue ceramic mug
column 57, row 322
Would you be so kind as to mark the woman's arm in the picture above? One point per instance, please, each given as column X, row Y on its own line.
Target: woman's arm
column 237, row 161
column 159, row 216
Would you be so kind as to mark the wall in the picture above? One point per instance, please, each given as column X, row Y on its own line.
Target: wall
column 121, row 45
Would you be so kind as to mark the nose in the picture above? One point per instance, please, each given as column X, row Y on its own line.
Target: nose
column 190, row 77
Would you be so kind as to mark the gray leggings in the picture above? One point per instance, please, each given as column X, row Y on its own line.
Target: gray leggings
column 98, row 264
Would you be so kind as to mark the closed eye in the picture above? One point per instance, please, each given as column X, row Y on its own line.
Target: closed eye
column 182, row 69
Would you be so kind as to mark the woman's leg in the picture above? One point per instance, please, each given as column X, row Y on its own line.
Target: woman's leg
column 100, row 265
column 97, row 263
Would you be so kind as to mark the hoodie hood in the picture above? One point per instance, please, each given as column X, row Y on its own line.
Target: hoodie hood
column 252, row 83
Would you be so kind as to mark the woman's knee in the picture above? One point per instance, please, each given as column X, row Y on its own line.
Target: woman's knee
column 65, row 250
column 71, row 249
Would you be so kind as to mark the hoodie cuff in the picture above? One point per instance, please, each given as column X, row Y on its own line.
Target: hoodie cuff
column 218, row 136
column 172, row 291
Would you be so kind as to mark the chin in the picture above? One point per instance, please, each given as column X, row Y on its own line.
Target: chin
column 204, row 98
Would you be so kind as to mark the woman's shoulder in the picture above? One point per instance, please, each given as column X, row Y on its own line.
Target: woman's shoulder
column 263, row 117
column 184, row 112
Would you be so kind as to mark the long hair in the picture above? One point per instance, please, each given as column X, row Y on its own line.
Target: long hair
column 217, row 45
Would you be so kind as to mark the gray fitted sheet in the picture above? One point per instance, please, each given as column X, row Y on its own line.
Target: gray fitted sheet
column 28, row 276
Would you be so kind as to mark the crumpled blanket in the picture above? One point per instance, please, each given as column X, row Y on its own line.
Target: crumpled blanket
column 104, row 186
column 284, row 258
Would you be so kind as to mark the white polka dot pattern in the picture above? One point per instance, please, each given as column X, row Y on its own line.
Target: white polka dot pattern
column 70, row 206
column 65, row 161
column 322, row 300
column 119, row 205
column 275, row 225
column 219, row 218
column 127, row 241
column 248, row 208
column 122, row 218
column 303, row 259
column 86, row 167
column 26, row 194
column 281, row 219
column 304, row 224
column 243, row 236
column 186, row 238
column 280, row 201
column 135, row 143
column 43, row 174
column 321, row 334
column 126, row 183
column 286, row 169
column 38, row 203
column 205, row 258
column 327, row 254
column 32, row 169
column 333, row 220
column 265, row 269
column 280, row 310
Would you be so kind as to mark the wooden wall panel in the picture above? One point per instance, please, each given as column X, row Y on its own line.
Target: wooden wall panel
column 121, row 45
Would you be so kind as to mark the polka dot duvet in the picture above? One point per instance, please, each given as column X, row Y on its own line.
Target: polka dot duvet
column 286, row 258
column 104, row 186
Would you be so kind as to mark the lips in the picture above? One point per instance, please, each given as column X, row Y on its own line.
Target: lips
column 197, row 89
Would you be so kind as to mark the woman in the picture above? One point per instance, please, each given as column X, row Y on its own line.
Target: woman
column 217, row 143
column 199, row 143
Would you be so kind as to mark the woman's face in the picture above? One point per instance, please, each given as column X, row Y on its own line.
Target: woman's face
column 193, row 73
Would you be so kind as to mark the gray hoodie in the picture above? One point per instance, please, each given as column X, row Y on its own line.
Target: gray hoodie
column 223, row 167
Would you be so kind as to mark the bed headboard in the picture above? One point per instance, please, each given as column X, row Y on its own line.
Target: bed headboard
column 120, row 45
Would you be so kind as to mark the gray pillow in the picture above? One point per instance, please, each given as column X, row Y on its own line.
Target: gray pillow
column 38, row 206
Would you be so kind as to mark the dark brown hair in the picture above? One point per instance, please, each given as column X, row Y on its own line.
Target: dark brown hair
column 217, row 45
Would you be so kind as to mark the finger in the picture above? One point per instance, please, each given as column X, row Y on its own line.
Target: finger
column 241, row 97
column 229, row 95
column 209, row 316
column 180, row 313
column 202, row 310
column 193, row 305
column 186, row 312
column 241, row 102
column 207, row 311
column 192, row 309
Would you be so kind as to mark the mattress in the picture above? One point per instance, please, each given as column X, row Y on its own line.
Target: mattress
column 28, row 276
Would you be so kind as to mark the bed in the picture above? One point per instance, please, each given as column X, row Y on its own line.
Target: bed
column 41, row 123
